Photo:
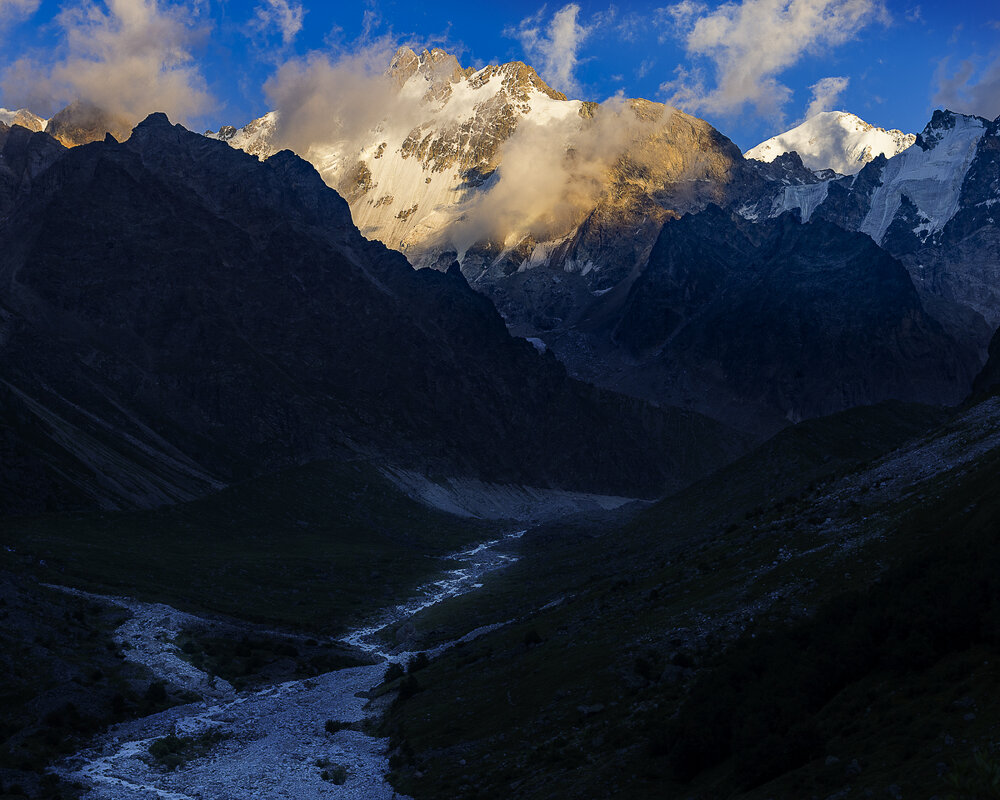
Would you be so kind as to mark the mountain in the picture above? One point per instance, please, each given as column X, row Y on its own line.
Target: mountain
column 932, row 207
column 22, row 117
column 253, row 138
column 82, row 122
column 467, row 175
column 544, row 201
column 764, row 323
column 176, row 315
column 834, row 140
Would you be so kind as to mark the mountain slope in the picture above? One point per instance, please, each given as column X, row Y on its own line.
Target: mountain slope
column 834, row 140
column 837, row 631
column 931, row 207
column 175, row 297
column 760, row 324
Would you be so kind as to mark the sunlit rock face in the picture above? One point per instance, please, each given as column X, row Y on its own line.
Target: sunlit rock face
column 497, row 170
column 22, row 117
column 82, row 122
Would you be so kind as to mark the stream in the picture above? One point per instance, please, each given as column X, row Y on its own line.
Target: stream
column 272, row 740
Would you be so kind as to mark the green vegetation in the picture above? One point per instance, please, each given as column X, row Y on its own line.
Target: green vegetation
column 248, row 659
column 317, row 547
column 759, row 705
column 62, row 679
column 172, row 752
column 976, row 778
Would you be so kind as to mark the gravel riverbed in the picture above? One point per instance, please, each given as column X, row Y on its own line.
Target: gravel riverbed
column 267, row 742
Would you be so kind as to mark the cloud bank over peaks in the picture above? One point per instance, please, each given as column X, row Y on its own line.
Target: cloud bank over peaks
column 748, row 45
column 126, row 57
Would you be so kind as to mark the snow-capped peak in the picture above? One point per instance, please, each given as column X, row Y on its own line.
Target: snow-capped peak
column 24, row 118
column 834, row 140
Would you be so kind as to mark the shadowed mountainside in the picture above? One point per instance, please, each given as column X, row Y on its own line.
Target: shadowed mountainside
column 176, row 314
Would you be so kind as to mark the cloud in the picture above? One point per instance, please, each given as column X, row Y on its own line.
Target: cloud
column 128, row 57
column 332, row 108
column 748, row 45
column 330, row 104
column 969, row 90
column 554, row 52
column 549, row 180
column 281, row 15
column 914, row 14
column 13, row 11
column 825, row 93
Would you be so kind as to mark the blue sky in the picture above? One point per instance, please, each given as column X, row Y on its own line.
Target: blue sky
column 752, row 68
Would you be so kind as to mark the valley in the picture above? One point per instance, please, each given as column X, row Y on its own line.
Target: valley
column 440, row 433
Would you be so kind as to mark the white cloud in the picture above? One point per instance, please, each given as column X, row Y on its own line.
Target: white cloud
column 825, row 93
column 12, row 11
column 969, row 90
column 281, row 15
column 333, row 102
column 128, row 57
column 749, row 44
column 554, row 52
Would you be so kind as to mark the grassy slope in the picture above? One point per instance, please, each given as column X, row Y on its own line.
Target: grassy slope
column 317, row 547
column 584, row 713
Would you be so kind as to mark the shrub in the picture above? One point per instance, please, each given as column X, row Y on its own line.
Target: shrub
column 408, row 687
column 418, row 662
column 337, row 774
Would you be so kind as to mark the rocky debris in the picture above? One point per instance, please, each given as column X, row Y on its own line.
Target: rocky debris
column 147, row 638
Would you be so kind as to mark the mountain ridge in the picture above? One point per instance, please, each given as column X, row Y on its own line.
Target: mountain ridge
column 836, row 140
column 184, row 297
